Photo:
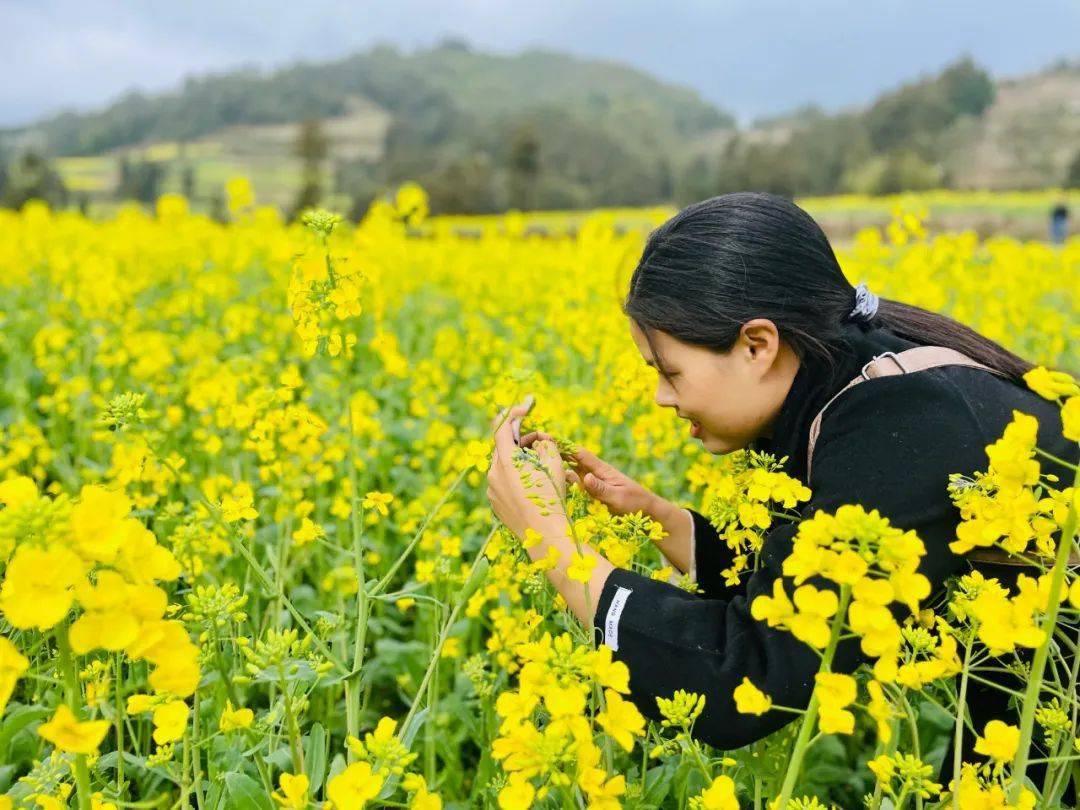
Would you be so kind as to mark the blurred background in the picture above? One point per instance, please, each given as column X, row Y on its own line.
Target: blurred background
column 493, row 106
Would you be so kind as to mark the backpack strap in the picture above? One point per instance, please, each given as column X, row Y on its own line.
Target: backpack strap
column 890, row 364
column 909, row 361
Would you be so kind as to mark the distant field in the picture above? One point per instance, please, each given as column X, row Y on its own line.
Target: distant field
column 256, row 153
column 263, row 154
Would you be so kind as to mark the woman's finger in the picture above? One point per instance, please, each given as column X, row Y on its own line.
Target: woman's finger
column 535, row 436
column 504, row 433
column 590, row 462
column 548, row 453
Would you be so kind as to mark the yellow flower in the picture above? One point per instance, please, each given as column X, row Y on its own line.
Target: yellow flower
column 751, row 700
column 421, row 799
column 411, row 203
column 39, row 586
column 378, row 501
column 581, row 567
column 517, row 795
column 95, row 522
column 309, row 532
column 621, row 719
column 883, row 767
column 293, row 792
column 880, row 710
column 70, row 735
column 170, row 720
column 568, row 701
column 532, row 537
column 810, row 623
column 834, row 691
column 424, row 800
column 239, row 504
column 355, row 786
column 1051, row 384
column 998, row 741
column 775, row 610
column 137, row 704
column 12, row 665
column 720, row 795
column 239, row 193
column 233, row 719
column 1070, row 418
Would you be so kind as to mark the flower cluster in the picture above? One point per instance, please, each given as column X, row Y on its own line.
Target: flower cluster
column 739, row 496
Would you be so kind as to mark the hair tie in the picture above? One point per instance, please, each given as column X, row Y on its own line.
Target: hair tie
column 866, row 304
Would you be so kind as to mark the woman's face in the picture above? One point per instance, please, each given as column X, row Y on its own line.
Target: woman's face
column 730, row 398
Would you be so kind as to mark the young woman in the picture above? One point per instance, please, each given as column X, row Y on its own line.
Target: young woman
column 740, row 305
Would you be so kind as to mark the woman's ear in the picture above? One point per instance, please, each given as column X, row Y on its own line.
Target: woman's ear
column 761, row 340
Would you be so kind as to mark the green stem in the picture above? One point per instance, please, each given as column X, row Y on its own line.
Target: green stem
column 352, row 703
column 961, row 712
column 459, row 602
column 290, row 721
column 1038, row 665
column 196, row 766
column 74, row 701
column 119, row 700
column 806, row 728
column 253, row 564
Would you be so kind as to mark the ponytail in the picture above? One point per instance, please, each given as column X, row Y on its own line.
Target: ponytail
column 723, row 261
column 931, row 329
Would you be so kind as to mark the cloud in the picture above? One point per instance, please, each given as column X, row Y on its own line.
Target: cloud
column 750, row 57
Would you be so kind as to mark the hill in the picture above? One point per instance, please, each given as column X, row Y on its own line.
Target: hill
column 544, row 130
column 448, row 116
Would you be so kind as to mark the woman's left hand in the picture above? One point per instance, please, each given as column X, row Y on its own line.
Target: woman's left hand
column 512, row 503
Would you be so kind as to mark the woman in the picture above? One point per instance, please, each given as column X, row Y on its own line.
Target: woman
column 740, row 305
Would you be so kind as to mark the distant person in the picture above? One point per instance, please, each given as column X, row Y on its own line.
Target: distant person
column 1059, row 223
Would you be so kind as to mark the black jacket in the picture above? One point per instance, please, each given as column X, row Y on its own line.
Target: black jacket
column 888, row 444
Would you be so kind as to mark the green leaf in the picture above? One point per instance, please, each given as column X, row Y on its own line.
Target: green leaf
column 315, row 757
column 245, row 793
column 658, row 784
column 19, row 717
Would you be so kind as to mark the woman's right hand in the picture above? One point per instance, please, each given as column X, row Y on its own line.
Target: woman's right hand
column 622, row 494
column 619, row 492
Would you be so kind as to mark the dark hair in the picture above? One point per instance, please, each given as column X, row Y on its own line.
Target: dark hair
column 723, row 261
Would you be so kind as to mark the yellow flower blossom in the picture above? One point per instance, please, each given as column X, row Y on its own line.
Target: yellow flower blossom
column 69, row 734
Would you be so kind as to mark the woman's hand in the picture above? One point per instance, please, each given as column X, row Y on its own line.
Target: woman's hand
column 621, row 494
column 514, row 504
column 612, row 487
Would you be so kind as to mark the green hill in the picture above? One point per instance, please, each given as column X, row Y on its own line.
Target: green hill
column 541, row 130
column 449, row 116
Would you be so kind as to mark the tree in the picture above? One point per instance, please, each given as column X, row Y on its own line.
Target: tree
column 464, row 186
column 523, row 168
column 139, row 180
column 1072, row 175
column 187, row 181
column 968, row 87
column 32, row 177
column 312, row 146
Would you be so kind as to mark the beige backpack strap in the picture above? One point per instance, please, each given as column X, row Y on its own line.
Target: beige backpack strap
column 889, row 364
column 907, row 362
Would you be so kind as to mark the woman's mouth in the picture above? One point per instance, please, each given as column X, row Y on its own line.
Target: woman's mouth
column 695, row 429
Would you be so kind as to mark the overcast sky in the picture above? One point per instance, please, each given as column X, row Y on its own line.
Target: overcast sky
column 749, row 56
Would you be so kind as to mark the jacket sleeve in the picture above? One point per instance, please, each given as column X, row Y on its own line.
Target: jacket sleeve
column 709, row 556
column 890, row 445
